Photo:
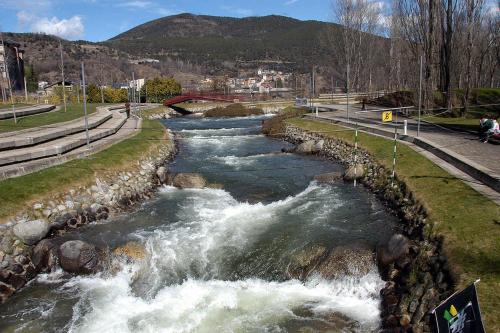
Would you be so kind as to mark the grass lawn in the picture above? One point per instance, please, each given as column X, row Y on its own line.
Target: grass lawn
column 53, row 117
column 468, row 221
column 151, row 112
column 467, row 124
column 7, row 106
column 18, row 193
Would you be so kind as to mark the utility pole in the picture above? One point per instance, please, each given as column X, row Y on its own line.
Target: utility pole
column 19, row 71
column 333, row 89
column 78, row 91
column 85, row 107
column 133, row 88
column 420, row 97
column 347, row 92
column 62, row 74
column 6, row 61
column 25, row 89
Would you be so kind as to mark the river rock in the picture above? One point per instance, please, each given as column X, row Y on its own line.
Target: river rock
column 161, row 173
column 189, row 180
column 329, row 177
column 79, row 257
column 303, row 262
column 396, row 248
column 354, row 172
column 44, row 256
column 132, row 251
column 307, row 147
column 355, row 260
column 31, row 232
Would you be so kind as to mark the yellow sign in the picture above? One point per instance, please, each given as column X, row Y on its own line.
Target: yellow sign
column 387, row 116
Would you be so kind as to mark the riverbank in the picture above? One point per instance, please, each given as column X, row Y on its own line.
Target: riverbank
column 73, row 194
column 450, row 225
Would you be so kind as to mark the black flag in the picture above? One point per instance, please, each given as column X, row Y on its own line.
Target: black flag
column 460, row 313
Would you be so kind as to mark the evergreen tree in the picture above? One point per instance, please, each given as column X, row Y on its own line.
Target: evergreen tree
column 31, row 78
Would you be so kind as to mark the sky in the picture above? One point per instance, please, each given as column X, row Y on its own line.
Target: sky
column 98, row 20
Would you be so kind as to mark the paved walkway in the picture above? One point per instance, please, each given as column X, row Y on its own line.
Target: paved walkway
column 106, row 134
column 460, row 153
column 7, row 113
column 463, row 143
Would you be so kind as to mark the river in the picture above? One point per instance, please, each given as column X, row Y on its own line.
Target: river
column 217, row 257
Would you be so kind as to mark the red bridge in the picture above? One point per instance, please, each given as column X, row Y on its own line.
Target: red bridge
column 198, row 96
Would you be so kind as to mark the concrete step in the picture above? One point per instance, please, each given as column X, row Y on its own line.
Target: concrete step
column 63, row 144
column 26, row 111
column 30, row 137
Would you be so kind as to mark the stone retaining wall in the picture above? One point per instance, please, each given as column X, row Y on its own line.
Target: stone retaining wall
column 417, row 280
column 111, row 193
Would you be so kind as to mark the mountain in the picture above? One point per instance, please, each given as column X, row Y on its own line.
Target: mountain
column 229, row 44
column 189, row 47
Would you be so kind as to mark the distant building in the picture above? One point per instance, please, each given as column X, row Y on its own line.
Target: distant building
column 42, row 84
column 137, row 84
column 49, row 88
column 145, row 61
column 11, row 60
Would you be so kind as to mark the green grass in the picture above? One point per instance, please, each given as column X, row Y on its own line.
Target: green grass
column 151, row 112
column 468, row 221
column 7, row 106
column 467, row 124
column 233, row 110
column 18, row 193
column 53, row 117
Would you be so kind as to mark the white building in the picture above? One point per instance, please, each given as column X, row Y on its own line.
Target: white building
column 137, row 84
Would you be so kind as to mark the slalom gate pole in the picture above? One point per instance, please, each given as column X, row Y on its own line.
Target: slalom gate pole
column 355, row 154
column 394, row 154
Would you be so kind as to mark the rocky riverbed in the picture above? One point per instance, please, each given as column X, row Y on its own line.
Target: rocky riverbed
column 412, row 263
column 25, row 245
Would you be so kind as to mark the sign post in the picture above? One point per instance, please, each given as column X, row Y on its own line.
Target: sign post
column 85, row 107
column 460, row 313
column 387, row 116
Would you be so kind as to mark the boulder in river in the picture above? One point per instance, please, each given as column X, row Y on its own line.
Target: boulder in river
column 189, row 180
column 131, row 251
column 397, row 247
column 79, row 257
column 329, row 177
column 354, row 172
column 306, row 260
column 161, row 173
column 307, row 147
column 355, row 261
column 45, row 255
column 31, row 232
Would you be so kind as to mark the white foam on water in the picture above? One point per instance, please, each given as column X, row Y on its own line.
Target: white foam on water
column 240, row 161
column 210, row 221
column 222, row 306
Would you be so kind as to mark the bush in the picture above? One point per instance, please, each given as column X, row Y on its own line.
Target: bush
column 233, row 110
column 275, row 126
column 395, row 99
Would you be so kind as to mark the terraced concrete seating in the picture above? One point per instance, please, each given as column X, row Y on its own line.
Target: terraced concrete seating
column 41, row 134
column 52, row 142
column 26, row 111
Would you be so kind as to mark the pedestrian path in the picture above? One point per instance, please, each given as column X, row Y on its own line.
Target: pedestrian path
column 37, row 148
column 461, row 149
column 8, row 113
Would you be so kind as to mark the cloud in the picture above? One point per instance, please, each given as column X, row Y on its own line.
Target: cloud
column 71, row 28
column 136, row 4
column 290, row 2
column 238, row 11
column 165, row 12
